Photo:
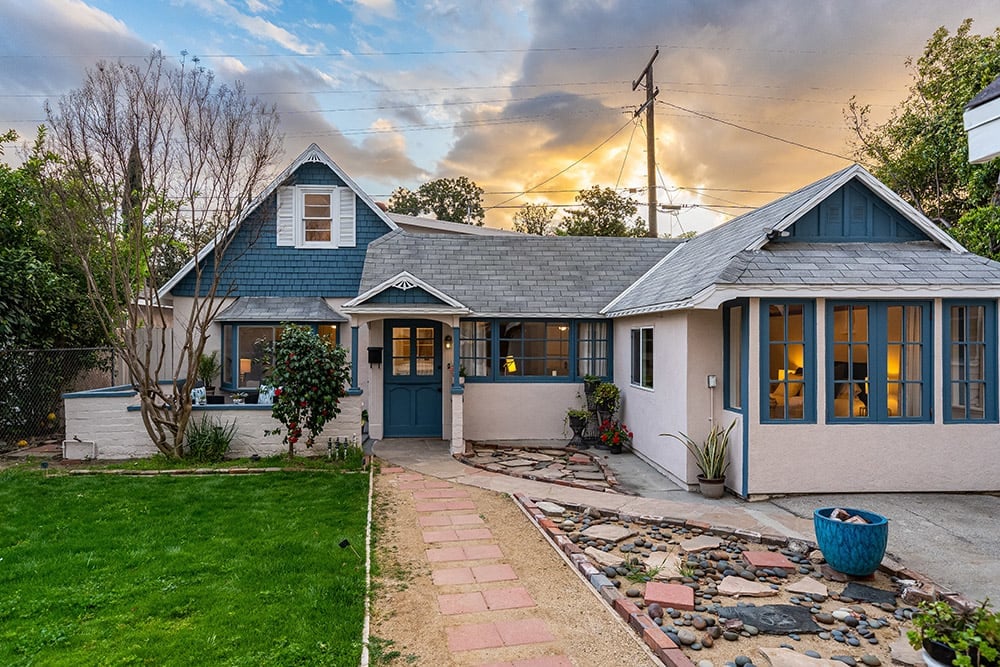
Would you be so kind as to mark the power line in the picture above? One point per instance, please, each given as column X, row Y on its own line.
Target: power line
column 758, row 132
column 563, row 171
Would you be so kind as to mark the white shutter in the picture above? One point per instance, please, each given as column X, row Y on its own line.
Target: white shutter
column 346, row 222
column 285, row 230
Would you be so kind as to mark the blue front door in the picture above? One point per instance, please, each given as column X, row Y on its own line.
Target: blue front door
column 412, row 378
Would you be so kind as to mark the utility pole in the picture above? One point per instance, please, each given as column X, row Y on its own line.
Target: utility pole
column 651, row 94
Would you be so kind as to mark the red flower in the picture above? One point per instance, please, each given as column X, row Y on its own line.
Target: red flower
column 616, row 439
column 277, row 392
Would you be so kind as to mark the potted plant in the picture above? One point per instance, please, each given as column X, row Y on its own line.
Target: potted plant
column 952, row 636
column 577, row 422
column 208, row 369
column 590, row 383
column 615, row 435
column 239, row 397
column 853, row 541
column 711, row 457
column 607, row 399
column 461, row 374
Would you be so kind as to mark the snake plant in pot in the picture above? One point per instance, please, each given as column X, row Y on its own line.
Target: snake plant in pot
column 712, row 458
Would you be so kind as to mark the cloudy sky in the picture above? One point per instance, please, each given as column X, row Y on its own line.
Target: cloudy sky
column 520, row 95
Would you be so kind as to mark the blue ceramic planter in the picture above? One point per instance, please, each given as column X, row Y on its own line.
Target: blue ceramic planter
column 852, row 548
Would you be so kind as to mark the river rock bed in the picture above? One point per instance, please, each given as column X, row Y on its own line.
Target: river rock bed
column 723, row 599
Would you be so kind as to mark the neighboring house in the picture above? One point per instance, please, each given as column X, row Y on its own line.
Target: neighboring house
column 854, row 342
column 982, row 123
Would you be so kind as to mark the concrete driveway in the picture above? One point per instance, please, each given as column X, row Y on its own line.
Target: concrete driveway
column 952, row 538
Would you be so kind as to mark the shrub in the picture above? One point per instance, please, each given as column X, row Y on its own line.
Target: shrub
column 208, row 440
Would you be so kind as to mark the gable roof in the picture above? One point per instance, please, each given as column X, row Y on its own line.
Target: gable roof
column 404, row 280
column 311, row 154
column 723, row 253
column 516, row 275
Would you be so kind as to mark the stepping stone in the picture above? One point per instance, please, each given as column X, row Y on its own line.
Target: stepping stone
column 808, row 586
column 739, row 587
column 551, row 509
column 667, row 564
column 604, row 558
column 767, row 559
column 590, row 476
column 580, row 458
column 701, row 543
column 774, row 619
column 676, row 596
column 535, row 456
column 857, row 591
column 517, row 463
column 904, row 654
column 609, row 532
column 550, row 474
column 783, row 657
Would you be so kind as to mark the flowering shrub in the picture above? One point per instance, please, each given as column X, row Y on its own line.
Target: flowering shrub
column 614, row 433
column 311, row 375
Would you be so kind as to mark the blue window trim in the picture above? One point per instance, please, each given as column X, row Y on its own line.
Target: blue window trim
column 808, row 360
column 878, row 411
column 234, row 338
column 990, row 331
column 727, row 378
column 573, row 377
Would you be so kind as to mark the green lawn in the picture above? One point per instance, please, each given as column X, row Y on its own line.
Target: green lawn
column 230, row 570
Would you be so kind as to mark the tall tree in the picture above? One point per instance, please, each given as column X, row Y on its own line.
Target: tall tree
column 150, row 152
column 452, row 199
column 920, row 151
column 603, row 212
column 43, row 300
column 534, row 219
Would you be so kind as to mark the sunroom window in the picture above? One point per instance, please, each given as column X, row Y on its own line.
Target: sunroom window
column 879, row 368
column 787, row 362
column 970, row 361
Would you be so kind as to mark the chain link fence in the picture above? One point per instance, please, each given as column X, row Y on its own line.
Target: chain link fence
column 32, row 383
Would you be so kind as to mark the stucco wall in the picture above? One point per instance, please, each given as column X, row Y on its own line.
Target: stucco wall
column 811, row 458
column 104, row 417
column 519, row 411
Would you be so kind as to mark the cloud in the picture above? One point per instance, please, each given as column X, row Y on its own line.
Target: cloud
column 255, row 26
column 775, row 66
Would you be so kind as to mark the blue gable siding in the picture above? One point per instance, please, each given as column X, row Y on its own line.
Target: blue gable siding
column 413, row 295
column 853, row 214
column 254, row 265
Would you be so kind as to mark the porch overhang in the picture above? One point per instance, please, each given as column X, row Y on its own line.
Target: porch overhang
column 405, row 293
column 280, row 309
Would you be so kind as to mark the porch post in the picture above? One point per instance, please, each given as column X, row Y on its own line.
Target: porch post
column 456, row 386
column 355, row 390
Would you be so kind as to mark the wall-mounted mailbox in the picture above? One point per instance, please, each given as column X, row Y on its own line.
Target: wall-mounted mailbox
column 375, row 356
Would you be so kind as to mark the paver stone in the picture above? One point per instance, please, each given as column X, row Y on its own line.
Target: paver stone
column 603, row 558
column 701, row 543
column 608, row 531
column 738, row 586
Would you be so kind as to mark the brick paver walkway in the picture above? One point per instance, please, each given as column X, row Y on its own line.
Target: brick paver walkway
column 478, row 592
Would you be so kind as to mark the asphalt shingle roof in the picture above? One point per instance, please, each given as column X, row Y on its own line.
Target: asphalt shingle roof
column 517, row 275
column 913, row 263
column 713, row 256
column 280, row 309
column 987, row 94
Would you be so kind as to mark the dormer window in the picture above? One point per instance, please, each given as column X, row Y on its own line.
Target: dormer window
column 316, row 216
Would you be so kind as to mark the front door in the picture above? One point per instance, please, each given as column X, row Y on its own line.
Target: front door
column 413, row 378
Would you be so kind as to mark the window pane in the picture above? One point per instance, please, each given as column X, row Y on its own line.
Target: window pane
column 635, row 356
column 227, row 358
column 647, row 361
column 328, row 331
column 786, row 361
column 794, row 322
column 735, row 360
column 255, row 344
